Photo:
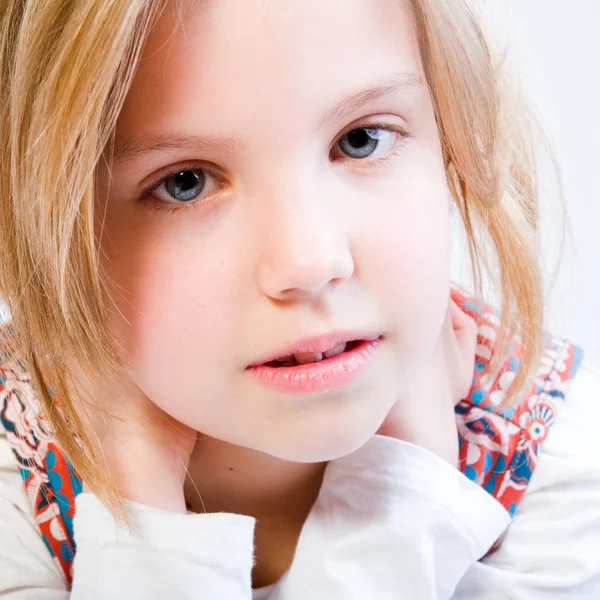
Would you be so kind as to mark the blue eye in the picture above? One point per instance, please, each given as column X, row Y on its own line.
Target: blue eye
column 185, row 185
column 367, row 142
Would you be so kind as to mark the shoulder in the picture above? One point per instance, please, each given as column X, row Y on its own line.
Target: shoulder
column 574, row 435
column 11, row 485
column 569, row 458
column 551, row 546
column 25, row 562
column 585, row 391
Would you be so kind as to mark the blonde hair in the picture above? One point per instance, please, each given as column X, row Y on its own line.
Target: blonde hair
column 66, row 68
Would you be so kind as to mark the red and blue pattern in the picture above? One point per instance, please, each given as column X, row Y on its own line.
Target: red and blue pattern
column 50, row 481
column 499, row 446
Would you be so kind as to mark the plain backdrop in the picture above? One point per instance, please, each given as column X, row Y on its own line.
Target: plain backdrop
column 554, row 45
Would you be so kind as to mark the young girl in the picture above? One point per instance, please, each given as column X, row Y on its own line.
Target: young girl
column 236, row 366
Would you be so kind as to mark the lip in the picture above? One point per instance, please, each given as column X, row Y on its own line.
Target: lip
column 320, row 343
column 318, row 376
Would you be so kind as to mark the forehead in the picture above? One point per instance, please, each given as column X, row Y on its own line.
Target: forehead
column 226, row 61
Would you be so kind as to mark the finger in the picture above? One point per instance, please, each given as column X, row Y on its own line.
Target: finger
column 465, row 331
column 465, row 344
column 460, row 319
column 457, row 296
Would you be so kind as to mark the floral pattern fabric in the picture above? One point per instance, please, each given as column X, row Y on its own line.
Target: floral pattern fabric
column 498, row 446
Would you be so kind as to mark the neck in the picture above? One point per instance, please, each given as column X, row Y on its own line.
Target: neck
column 224, row 477
column 279, row 494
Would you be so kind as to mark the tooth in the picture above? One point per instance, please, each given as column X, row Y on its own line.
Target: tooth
column 308, row 357
column 335, row 350
column 285, row 358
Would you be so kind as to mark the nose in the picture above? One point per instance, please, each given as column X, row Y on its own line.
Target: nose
column 304, row 247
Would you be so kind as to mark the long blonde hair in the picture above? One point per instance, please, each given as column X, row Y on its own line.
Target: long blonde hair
column 66, row 68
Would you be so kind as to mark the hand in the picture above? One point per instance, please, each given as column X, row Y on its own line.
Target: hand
column 425, row 414
column 147, row 451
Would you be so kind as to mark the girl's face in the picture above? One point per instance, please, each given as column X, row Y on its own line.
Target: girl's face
column 308, row 197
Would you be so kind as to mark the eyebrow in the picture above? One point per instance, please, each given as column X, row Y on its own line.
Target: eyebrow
column 134, row 148
column 402, row 82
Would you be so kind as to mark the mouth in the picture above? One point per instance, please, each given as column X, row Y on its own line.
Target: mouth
column 309, row 372
column 304, row 358
column 316, row 349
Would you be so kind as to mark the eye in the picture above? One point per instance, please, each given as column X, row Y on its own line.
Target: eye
column 184, row 185
column 367, row 142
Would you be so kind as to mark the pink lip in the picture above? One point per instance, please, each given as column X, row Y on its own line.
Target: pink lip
column 321, row 343
column 318, row 376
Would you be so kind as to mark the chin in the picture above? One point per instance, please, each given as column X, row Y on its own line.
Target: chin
column 322, row 448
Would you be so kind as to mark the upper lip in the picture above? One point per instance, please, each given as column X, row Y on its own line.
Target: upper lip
column 320, row 343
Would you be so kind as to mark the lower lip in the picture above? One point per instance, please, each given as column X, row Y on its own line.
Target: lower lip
column 316, row 377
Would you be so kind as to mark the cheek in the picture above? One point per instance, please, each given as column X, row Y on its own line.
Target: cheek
column 407, row 260
column 419, row 252
column 176, row 310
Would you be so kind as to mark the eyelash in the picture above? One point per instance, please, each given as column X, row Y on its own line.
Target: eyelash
column 163, row 207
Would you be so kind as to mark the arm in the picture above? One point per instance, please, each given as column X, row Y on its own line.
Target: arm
column 390, row 488
column 391, row 518
column 27, row 571
column 392, row 521
column 396, row 519
column 552, row 548
column 176, row 556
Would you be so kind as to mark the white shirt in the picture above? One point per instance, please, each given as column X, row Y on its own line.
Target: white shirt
column 392, row 520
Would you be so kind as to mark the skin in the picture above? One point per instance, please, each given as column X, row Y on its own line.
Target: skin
column 293, row 239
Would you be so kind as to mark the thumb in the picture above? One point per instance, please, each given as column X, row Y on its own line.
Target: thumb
column 465, row 331
column 465, row 334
